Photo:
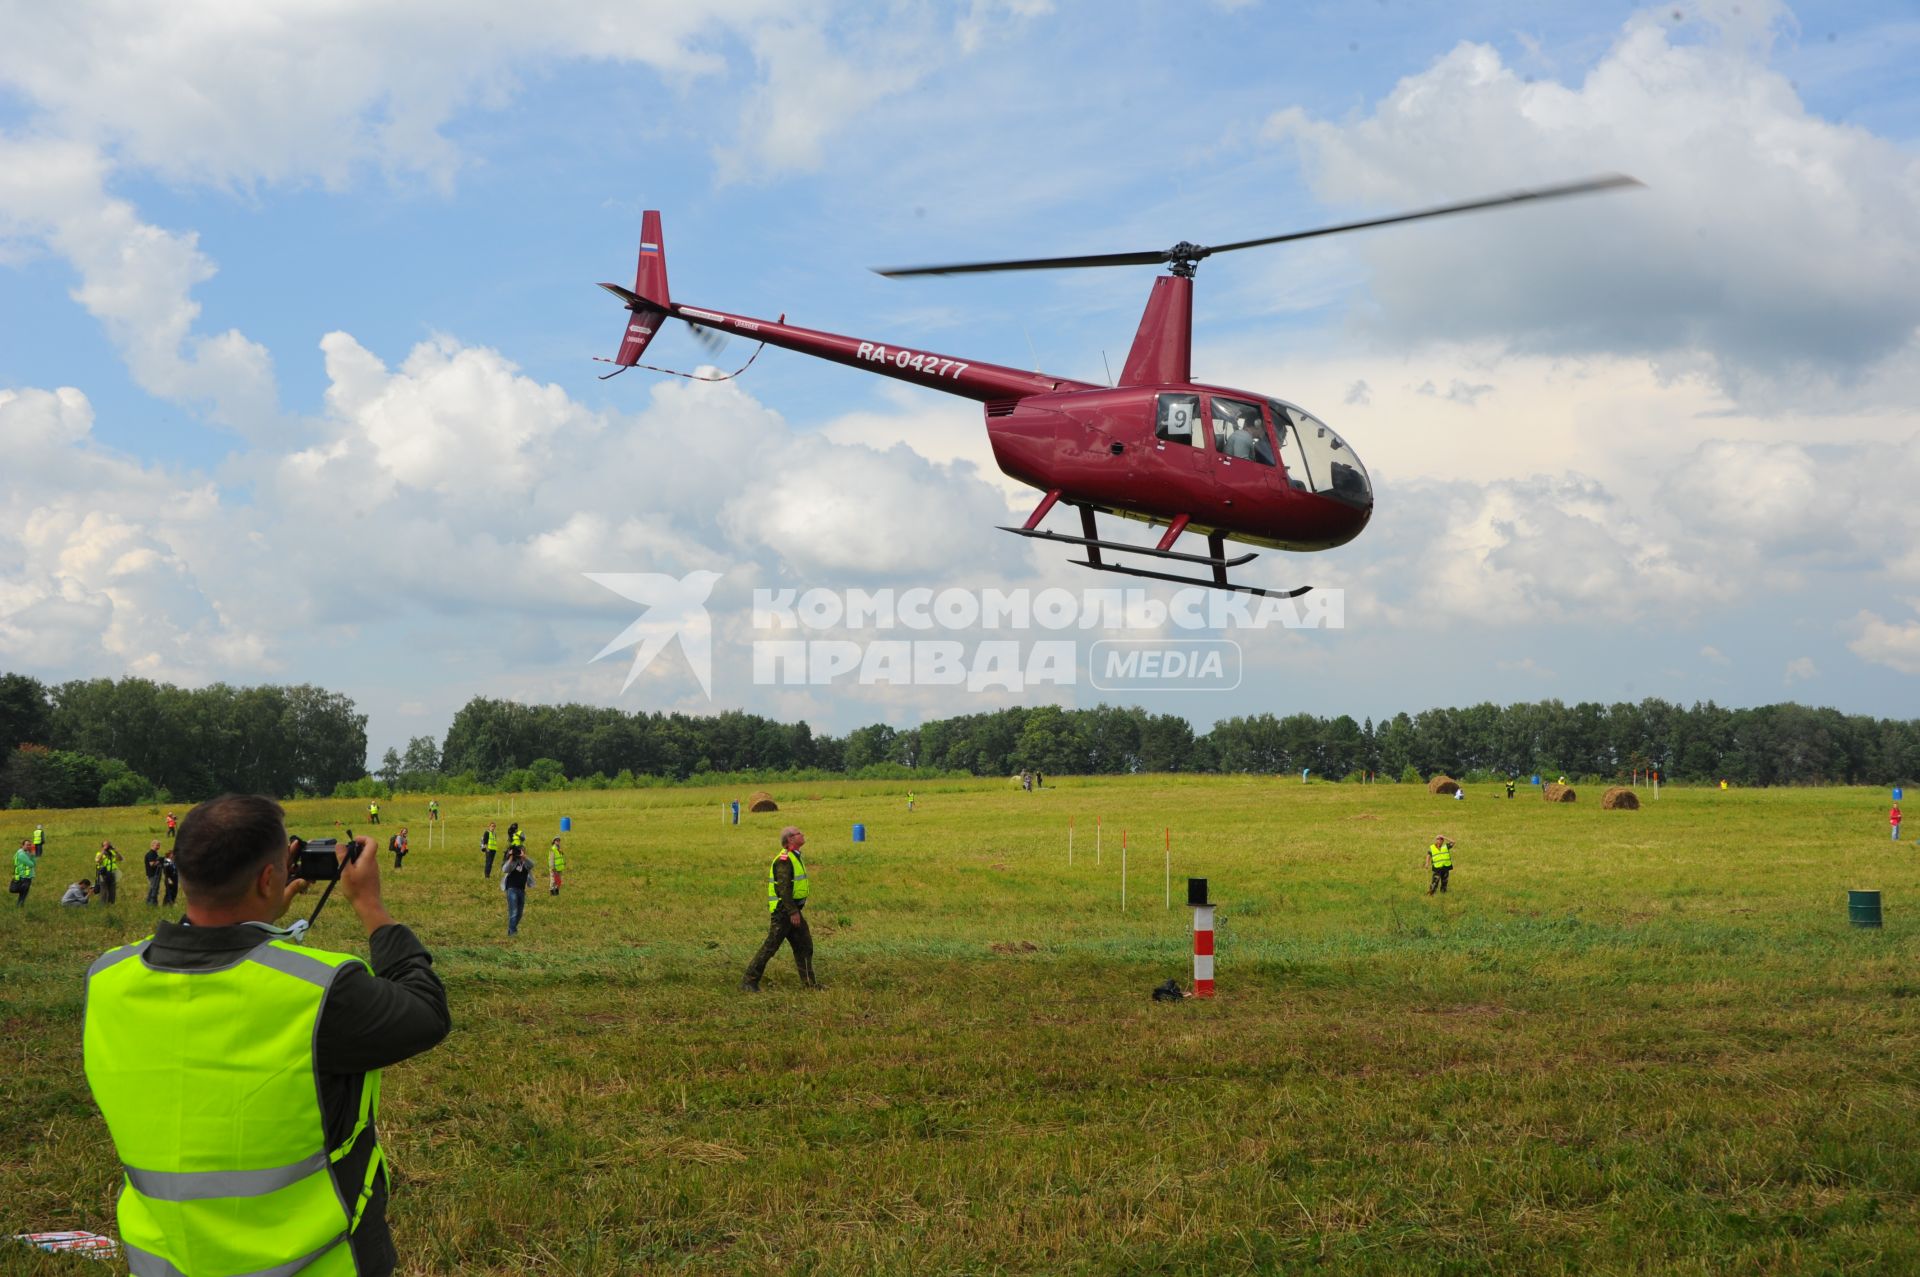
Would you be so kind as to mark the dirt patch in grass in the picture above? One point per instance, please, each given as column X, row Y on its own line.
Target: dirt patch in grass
column 1013, row 946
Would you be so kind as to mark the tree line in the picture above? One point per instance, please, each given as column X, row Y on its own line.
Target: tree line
column 105, row 741
column 136, row 741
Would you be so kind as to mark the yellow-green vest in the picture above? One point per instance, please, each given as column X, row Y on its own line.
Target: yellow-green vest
column 107, row 861
column 799, row 880
column 39, row 835
column 1440, row 855
column 558, row 857
column 208, row 1083
column 492, row 841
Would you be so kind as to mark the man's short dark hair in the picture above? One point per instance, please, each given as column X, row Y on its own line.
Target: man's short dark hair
column 223, row 842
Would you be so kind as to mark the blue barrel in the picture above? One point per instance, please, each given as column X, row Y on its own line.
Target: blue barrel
column 566, row 824
column 1863, row 908
column 1898, row 793
column 859, row 833
column 1536, row 778
column 736, row 811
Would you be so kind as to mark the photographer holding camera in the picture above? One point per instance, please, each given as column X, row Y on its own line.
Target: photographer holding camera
column 1440, row 860
column 238, row 1069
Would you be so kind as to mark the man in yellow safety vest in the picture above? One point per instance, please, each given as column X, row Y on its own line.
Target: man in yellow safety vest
column 787, row 891
column 1440, row 860
column 238, row 1069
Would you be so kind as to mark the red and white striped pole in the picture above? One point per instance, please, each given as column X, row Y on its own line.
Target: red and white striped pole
column 1202, row 937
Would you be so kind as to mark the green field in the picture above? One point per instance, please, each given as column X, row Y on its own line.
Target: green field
column 1625, row 1042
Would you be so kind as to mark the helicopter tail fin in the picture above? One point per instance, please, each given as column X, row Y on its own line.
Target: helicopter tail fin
column 648, row 299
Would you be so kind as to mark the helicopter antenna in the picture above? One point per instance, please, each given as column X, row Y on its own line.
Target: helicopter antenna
column 1103, row 359
column 1183, row 257
column 1031, row 349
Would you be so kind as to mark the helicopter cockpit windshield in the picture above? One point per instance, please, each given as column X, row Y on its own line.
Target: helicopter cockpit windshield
column 1317, row 459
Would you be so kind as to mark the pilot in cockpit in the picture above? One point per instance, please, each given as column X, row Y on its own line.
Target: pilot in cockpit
column 1246, row 443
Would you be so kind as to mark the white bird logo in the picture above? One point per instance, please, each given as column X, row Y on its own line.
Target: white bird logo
column 676, row 608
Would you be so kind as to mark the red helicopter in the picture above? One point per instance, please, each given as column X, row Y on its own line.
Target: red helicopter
column 1157, row 446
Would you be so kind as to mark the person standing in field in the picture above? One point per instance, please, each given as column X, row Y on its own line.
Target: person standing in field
column 1440, row 861
column 433, row 811
column 787, row 891
column 513, row 880
column 398, row 846
column 490, row 844
column 106, row 872
column 1509, row 787
column 170, row 872
column 556, row 866
column 39, row 840
column 1893, row 818
column 172, row 824
column 152, row 864
column 23, row 866
column 373, row 813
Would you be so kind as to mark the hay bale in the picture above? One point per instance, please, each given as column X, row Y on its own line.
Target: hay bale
column 1445, row 786
column 1619, row 798
column 1555, row 792
column 762, row 801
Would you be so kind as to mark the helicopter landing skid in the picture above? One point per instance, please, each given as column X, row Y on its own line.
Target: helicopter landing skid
column 1216, row 558
column 1193, row 580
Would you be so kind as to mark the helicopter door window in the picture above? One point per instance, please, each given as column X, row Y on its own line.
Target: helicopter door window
column 1291, row 459
column 1239, row 432
column 1176, row 419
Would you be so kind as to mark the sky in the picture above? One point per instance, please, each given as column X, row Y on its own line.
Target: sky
column 297, row 329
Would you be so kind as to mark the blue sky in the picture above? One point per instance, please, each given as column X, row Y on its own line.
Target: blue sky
column 1659, row 443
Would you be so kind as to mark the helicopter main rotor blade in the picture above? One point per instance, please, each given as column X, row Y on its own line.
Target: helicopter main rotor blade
column 1190, row 253
column 1610, row 182
column 1036, row 263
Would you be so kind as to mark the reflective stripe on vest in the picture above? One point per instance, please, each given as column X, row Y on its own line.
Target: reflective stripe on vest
column 1440, row 857
column 799, row 881
column 208, row 1083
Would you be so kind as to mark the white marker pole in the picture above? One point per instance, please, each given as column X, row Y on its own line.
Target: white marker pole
column 1069, row 842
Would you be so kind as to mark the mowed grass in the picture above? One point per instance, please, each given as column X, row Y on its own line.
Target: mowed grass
column 1625, row 1042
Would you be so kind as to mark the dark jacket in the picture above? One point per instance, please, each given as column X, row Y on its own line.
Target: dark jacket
column 368, row 1021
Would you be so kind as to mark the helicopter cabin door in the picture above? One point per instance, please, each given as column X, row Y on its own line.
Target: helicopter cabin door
column 1243, row 451
column 1180, row 440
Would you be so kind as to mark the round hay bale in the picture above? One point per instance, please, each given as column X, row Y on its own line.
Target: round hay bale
column 1445, row 786
column 762, row 801
column 1619, row 798
column 1555, row 792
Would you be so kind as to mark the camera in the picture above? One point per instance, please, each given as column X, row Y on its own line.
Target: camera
column 318, row 860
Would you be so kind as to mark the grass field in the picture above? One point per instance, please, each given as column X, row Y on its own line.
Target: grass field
column 1625, row 1042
